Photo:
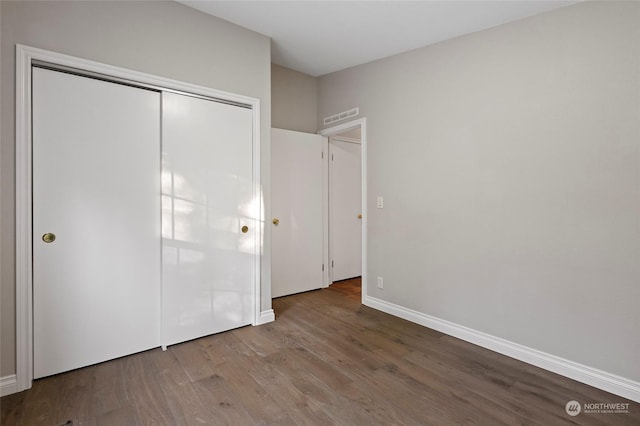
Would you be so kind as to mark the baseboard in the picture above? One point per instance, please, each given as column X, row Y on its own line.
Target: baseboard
column 266, row 316
column 597, row 378
column 8, row 385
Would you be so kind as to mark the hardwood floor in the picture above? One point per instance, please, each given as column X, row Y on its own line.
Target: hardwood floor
column 348, row 288
column 325, row 360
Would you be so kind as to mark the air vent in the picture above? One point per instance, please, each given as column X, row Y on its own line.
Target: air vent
column 341, row 116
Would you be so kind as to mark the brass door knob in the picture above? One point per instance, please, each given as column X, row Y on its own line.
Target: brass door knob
column 49, row 237
column 360, row 216
column 276, row 221
column 245, row 229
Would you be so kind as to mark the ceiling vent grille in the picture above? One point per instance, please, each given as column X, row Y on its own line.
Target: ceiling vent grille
column 341, row 116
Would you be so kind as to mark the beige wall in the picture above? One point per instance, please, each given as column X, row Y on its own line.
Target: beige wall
column 294, row 100
column 509, row 160
column 162, row 38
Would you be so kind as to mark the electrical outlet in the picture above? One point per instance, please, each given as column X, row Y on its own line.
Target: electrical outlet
column 380, row 282
column 380, row 202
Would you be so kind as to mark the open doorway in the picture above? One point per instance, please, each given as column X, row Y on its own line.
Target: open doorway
column 345, row 215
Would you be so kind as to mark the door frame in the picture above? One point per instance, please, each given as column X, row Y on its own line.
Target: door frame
column 326, row 133
column 25, row 58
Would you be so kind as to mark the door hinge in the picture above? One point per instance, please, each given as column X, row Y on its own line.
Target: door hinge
column 323, row 267
column 331, row 157
column 332, row 263
column 322, row 155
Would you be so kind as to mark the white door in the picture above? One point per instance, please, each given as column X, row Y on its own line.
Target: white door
column 345, row 223
column 208, row 217
column 96, row 180
column 296, row 202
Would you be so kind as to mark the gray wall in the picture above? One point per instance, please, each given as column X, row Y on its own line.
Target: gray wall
column 509, row 160
column 294, row 100
column 162, row 38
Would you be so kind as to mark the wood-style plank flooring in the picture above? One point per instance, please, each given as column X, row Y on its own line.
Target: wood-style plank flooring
column 325, row 360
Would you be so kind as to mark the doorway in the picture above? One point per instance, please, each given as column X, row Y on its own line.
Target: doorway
column 345, row 204
column 345, row 230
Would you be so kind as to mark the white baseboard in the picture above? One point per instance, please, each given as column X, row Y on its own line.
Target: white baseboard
column 597, row 378
column 266, row 316
column 8, row 385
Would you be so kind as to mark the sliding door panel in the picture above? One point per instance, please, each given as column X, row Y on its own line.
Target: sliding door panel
column 96, row 221
column 208, row 218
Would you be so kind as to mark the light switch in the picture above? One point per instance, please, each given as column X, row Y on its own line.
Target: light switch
column 380, row 202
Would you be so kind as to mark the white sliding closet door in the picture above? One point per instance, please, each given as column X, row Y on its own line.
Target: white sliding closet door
column 208, row 218
column 96, row 180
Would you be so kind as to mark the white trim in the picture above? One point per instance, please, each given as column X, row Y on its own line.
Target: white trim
column 266, row 316
column 24, row 272
column 346, row 139
column 32, row 53
column 259, row 215
column 25, row 55
column 340, row 128
column 330, row 131
column 8, row 385
column 597, row 378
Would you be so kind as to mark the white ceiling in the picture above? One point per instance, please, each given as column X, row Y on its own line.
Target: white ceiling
column 319, row 37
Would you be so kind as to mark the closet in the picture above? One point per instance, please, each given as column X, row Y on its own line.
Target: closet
column 144, row 218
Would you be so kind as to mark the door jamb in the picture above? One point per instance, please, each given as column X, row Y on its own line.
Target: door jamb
column 25, row 56
column 326, row 133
